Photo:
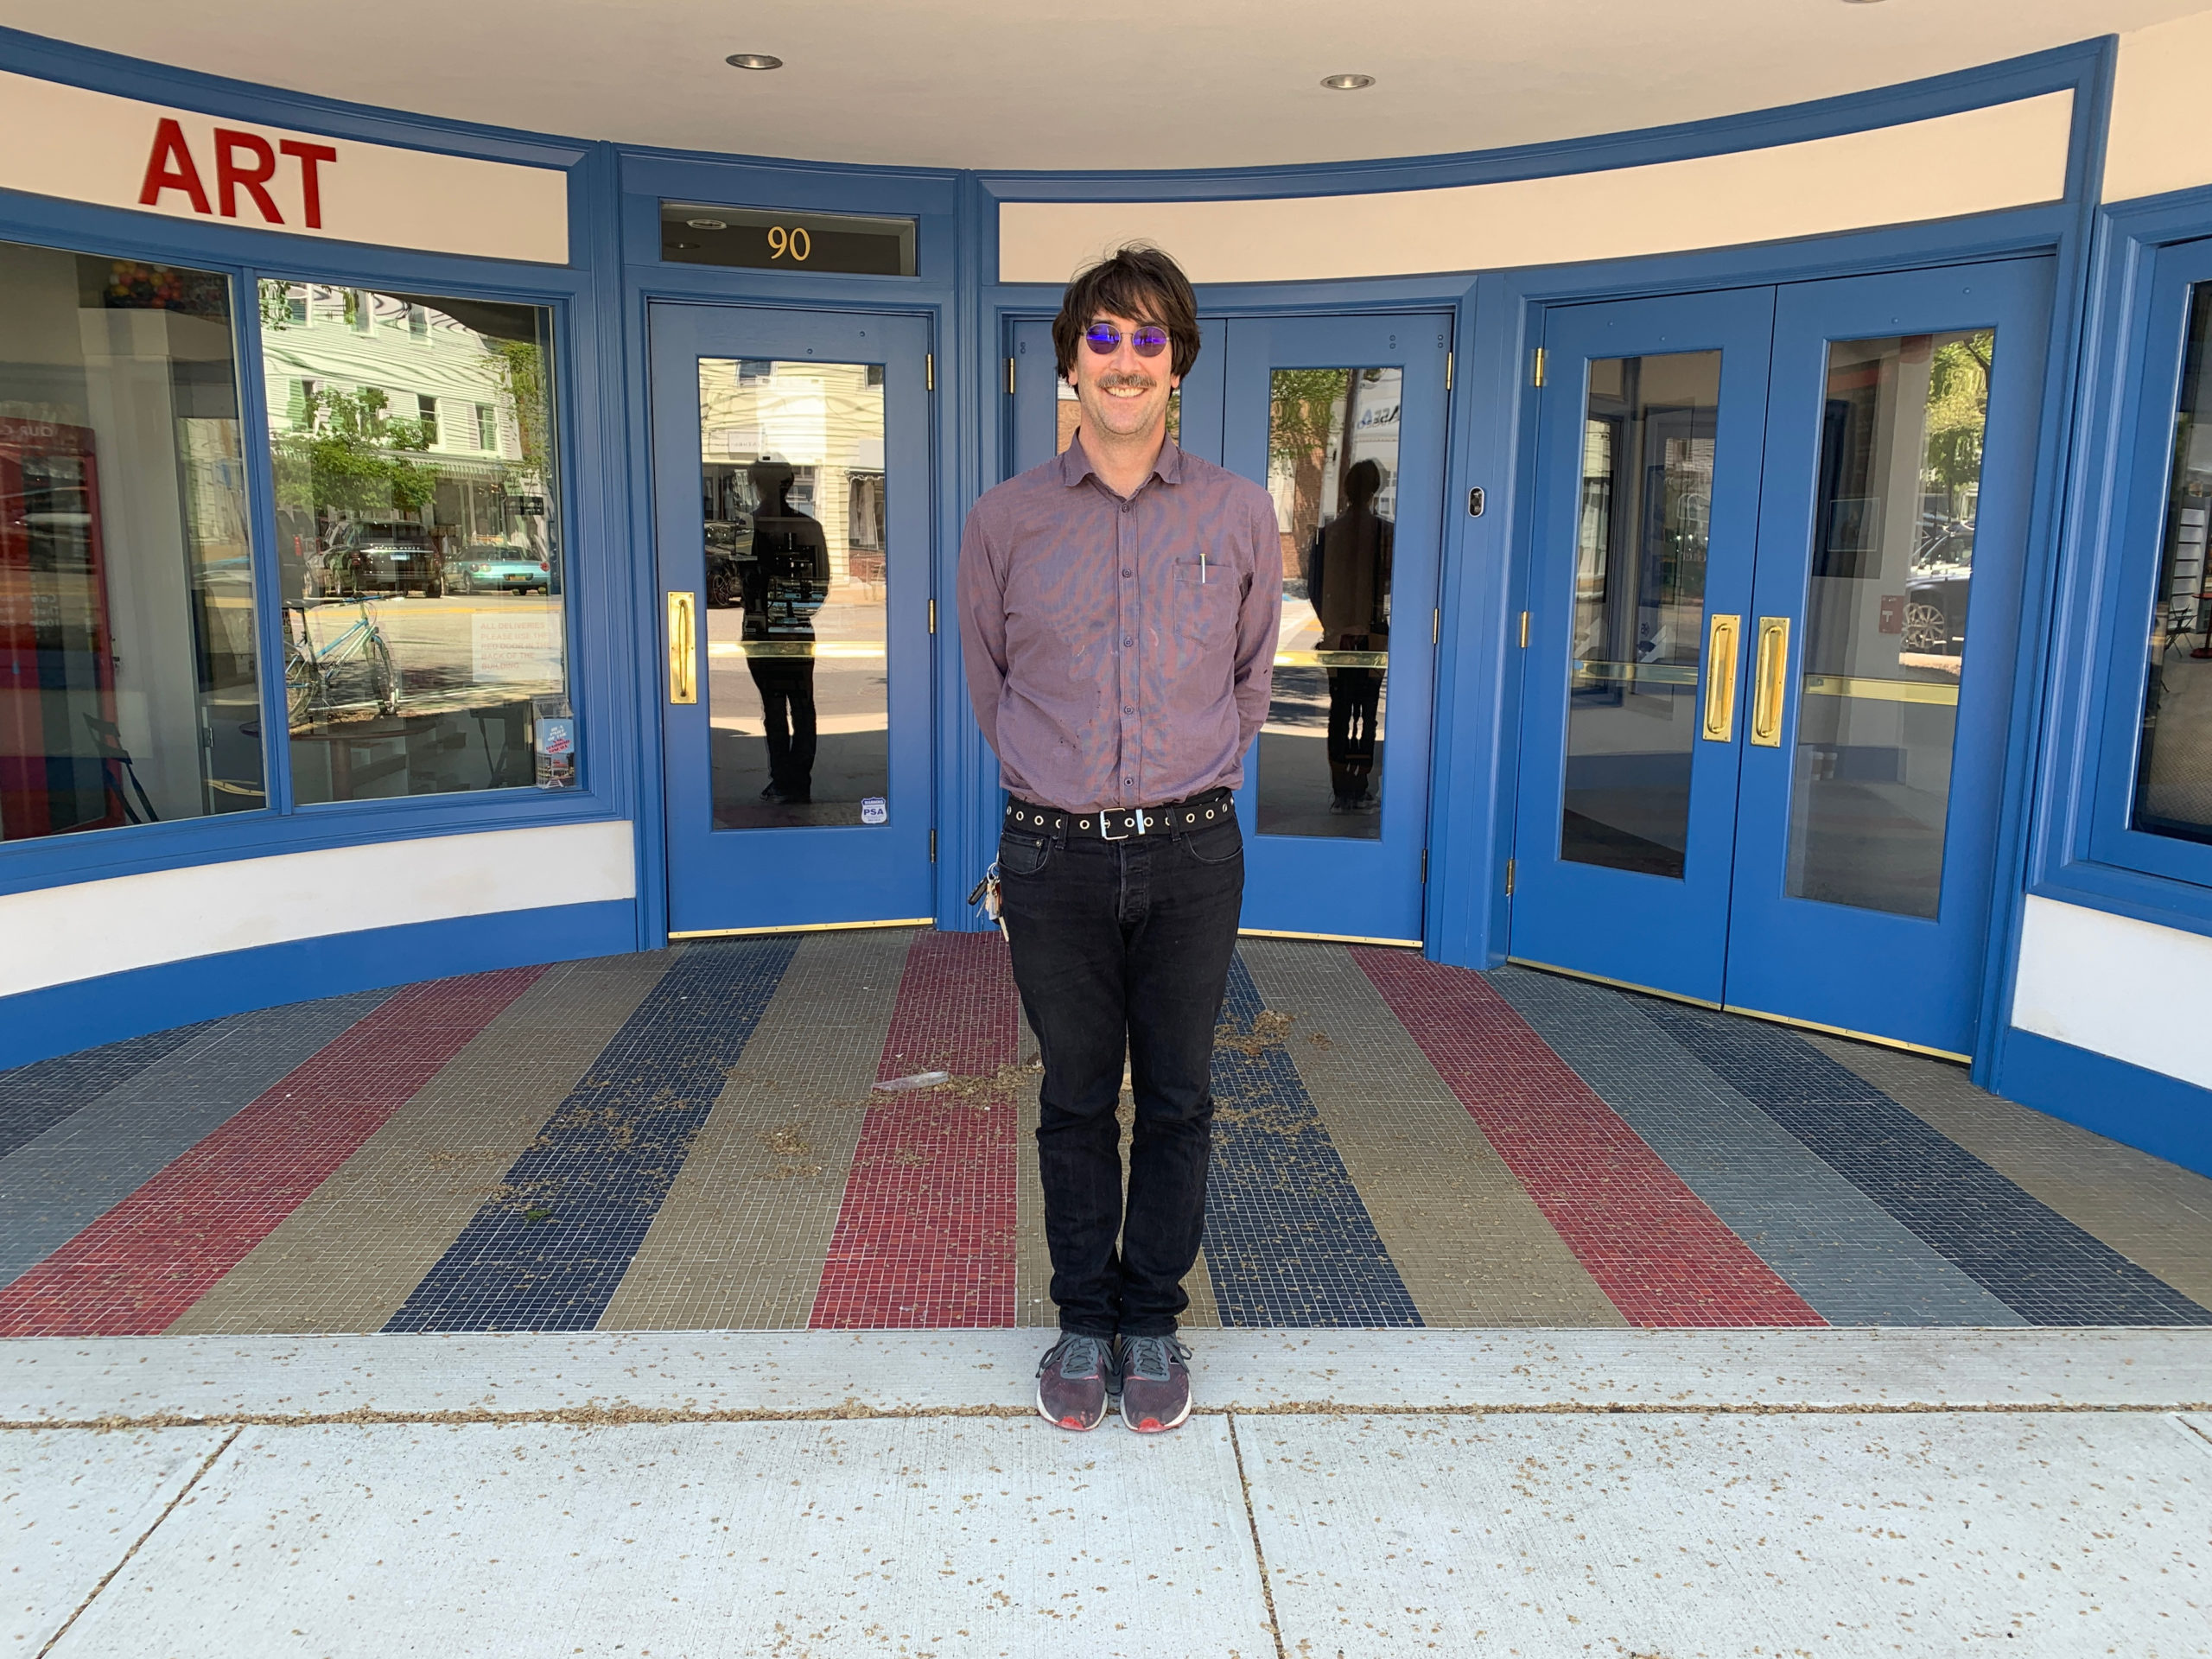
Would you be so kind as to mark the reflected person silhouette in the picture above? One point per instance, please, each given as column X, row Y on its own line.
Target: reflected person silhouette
column 1348, row 582
column 782, row 584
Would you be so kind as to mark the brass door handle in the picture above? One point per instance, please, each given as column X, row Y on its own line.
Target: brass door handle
column 683, row 651
column 1720, row 636
column 1771, row 681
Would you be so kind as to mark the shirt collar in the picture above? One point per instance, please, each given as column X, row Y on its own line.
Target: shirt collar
column 1075, row 465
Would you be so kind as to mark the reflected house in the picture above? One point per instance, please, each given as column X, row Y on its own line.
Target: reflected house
column 445, row 393
column 411, row 438
column 825, row 420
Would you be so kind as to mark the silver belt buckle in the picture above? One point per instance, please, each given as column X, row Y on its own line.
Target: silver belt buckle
column 1143, row 826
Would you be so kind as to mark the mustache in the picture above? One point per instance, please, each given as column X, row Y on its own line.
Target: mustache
column 1117, row 378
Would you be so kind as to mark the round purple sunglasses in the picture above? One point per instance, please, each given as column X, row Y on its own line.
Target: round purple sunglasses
column 1149, row 340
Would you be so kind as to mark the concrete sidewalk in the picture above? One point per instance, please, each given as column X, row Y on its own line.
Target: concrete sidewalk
column 1357, row 1493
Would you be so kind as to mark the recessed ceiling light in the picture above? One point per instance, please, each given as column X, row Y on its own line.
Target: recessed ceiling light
column 1346, row 83
column 752, row 60
column 707, row 224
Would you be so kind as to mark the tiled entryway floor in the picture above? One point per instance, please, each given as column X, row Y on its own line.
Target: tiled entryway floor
column 688, row 1139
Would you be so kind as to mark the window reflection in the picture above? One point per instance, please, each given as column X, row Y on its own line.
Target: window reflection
column 2173, row 786
column 128, row 685
column 1885, row 619
column 1641, row 533
column 795, row 540
column 1332, row 468
column 418, row 539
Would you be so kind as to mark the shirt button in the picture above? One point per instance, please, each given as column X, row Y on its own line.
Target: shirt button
column 1128, row 780
column 1127, row 571
column 1129, row 708
column 1128, row 639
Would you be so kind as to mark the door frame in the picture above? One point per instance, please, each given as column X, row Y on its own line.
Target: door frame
column 1501, row 416
column 625, row 248
column 686, row 319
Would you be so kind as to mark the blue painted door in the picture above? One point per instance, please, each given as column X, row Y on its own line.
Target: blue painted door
column 1902, row 429
column 1783, row 800
column 1343, row 420
column 1651, row 424
column 792, row 517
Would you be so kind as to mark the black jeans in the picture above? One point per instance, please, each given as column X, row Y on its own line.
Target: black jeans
column 1123, row 947
column 787, row 715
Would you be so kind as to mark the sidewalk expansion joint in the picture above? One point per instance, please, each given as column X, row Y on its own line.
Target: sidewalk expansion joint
column 207, row 1463
column 617, row 1415
column 1259, row 1553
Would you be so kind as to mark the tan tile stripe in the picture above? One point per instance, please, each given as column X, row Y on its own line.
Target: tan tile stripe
column 349, row 1255
column 1470, row 1246
column 2156, row 1214
column 740, row 1242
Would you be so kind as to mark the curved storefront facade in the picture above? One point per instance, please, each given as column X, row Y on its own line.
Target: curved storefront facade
column 428, row 550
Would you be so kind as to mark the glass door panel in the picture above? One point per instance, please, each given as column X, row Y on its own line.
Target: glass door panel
column 1642, row 524
column 791, row 492
column 793, row 502
column 1342, row 419
column 1903, row 423
column 1332, row 468
column 1650, row 429
column 1891, row 564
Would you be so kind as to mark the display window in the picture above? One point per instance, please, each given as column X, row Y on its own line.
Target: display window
column 129, row 692
column 2173, row 774
column 419, row 543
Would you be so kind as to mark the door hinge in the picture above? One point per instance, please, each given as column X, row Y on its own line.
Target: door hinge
column 1447, row 371
column 1536, row 368
column 1475, row 502
column 929, row 370
column 1424, row 866
column 1508, row 878
column 932, row 616
column 1435, row 624
column 933, row 846
column 1524, row 630
column 1009, row 376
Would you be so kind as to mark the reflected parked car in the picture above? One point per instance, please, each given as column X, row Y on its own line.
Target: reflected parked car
column 1937, row 591
column 381, row 566
column 501, row 575
column 729, row 558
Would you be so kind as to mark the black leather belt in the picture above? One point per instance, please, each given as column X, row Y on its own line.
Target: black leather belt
column 1120, row 823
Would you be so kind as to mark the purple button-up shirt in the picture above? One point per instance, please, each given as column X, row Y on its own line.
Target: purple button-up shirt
column 1120, row 652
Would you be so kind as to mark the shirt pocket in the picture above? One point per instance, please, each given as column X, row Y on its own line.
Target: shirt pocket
column 1204, row 603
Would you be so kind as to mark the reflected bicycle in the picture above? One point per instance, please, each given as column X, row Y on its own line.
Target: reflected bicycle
column 354, row 671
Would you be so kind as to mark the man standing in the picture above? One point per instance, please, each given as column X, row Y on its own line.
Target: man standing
column 1118, row 611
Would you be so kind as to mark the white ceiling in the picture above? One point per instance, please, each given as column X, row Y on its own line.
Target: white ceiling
column 1059, row 83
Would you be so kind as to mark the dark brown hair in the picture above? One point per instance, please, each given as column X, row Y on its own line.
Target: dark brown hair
column 1138, row 282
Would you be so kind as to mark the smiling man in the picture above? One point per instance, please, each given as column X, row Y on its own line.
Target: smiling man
column 1118, row 613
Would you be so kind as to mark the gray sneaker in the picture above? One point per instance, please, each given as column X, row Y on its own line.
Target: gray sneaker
column 1155, row 1383
column 1073, row 1380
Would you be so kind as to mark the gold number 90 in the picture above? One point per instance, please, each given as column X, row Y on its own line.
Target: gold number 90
column 793, row 244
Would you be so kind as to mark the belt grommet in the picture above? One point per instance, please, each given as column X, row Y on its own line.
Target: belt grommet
column 1209, row 811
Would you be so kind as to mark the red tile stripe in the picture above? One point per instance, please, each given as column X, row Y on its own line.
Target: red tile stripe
column 139, row 1267
column 924, row 1236
column 1651, row 1243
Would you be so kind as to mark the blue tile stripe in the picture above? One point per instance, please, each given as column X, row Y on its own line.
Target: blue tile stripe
column 1289, row 1239
column 2019, row 1248
column 1847, row 1256
column 34, row 1097
column 548, row 1252
column 66, row 1179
